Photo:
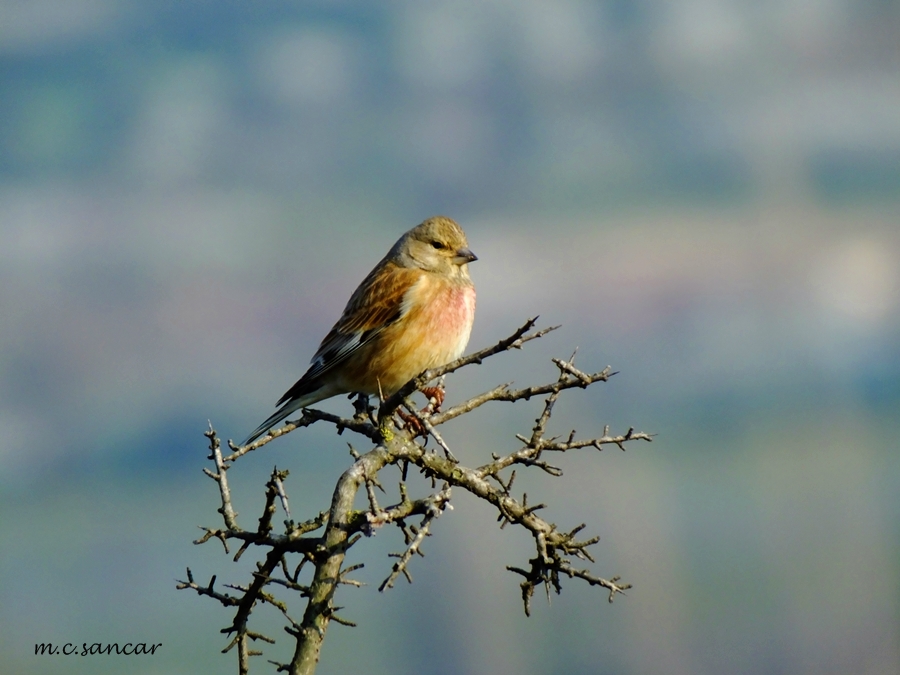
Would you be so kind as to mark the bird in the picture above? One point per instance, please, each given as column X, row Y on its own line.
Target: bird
column 414, row 311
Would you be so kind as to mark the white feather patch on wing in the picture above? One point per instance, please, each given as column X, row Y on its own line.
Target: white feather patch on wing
column 335, row 353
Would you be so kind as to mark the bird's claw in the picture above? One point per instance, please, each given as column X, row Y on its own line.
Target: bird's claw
column 412, row 424
column 435, row 396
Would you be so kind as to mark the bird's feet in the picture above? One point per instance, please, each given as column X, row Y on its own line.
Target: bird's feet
column 362, row 411
column 413, row 423
column 435, row 396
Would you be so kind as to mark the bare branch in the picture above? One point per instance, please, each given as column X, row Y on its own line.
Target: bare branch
column 224, row 598
column 503, row 393
column 438, row 503
column 322, row 541
column 227, row 510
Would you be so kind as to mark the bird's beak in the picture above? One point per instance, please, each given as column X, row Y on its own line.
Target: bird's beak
column 463, row 256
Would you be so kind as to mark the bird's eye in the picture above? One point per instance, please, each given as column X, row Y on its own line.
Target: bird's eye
column 438, row 245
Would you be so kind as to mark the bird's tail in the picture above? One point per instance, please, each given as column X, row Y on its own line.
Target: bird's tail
column 274, row 419
column 301, row 397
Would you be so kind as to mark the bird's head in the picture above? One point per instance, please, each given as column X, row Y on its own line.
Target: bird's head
column 437, row 245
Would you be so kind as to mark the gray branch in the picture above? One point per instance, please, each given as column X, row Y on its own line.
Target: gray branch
column 322, row 541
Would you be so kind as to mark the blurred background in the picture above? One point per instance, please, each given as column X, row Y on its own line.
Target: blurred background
column 705, row 193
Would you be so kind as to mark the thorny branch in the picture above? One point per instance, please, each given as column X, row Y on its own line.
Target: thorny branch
column 321, row 542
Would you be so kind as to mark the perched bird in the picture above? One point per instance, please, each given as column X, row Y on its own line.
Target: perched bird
column 414, row 311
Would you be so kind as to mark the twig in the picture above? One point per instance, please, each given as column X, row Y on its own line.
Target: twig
column 439, row 503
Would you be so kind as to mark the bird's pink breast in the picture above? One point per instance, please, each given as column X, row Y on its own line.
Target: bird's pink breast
column 452, row 315
column 433, row 330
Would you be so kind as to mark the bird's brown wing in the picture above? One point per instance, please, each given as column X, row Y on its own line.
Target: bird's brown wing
column 374, row 305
